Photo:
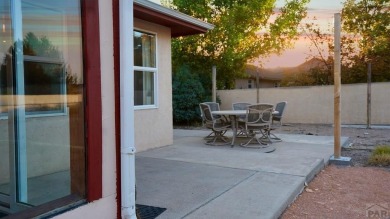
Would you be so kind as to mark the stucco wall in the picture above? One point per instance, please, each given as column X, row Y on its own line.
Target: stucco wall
column 315, row 104
column 153, row 127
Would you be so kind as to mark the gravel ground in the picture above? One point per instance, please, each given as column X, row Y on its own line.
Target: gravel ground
column 361, row 140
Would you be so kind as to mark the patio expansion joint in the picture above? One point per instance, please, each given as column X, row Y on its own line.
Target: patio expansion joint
column 222, row 193
column 205, row 164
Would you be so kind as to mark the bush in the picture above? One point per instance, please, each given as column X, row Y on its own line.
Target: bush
column 380, row 156
column 188, row 92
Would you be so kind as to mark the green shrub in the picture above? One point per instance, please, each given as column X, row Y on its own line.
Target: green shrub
column 380, row 156
column 188, row 92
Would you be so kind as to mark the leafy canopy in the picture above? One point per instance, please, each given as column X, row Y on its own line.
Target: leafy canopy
column 369, row 22
column 244, row 30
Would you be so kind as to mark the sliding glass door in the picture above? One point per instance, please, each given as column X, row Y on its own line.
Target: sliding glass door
column 42, row 153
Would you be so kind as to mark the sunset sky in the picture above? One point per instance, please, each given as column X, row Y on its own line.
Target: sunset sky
column 324, row 11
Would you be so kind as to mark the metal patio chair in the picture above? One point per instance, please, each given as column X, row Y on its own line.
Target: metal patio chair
column 258, row 121
column 218, row 125
column 214, row 107
column 278, row 118
column 241, row 119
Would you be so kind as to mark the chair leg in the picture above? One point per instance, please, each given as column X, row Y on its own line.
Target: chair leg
column 274, row 137
column 212, row 135
column 254, row 137
column 265, row 135
column 219, row 135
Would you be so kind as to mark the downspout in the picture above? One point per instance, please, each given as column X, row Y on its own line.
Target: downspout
column 126, row 27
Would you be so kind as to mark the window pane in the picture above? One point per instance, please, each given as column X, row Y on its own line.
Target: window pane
column 44, row 80
column 42, row 149
column 144, row 88
column 144, row 49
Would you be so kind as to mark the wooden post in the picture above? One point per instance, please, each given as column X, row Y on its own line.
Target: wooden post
column 369, row 95
column 257, row 87
column 337, row 85
column 214, row 81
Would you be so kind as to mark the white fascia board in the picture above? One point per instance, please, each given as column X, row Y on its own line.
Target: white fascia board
column 172, row 13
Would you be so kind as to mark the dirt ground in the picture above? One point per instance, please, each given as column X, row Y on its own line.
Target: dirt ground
column 359, row 191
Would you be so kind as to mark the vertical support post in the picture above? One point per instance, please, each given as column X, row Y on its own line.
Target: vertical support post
column 369, row 95
column 337, row 85
column 126, row 41
column 214, row 81
column 257, row 87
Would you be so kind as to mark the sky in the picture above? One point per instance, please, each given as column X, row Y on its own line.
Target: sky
column 324, row 11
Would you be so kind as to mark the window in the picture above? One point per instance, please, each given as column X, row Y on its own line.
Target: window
column 249, row 83
column 145, row 70
column 41, row 58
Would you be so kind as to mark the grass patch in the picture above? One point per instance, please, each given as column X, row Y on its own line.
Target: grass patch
column 380, row 156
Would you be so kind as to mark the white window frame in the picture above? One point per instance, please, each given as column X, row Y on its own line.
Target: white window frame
column 149, row 69
column 47, row 113
column 48, row 60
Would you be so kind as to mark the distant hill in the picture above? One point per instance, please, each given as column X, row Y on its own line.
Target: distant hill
column 304, row 67
column 279, row 72
column 269, row 74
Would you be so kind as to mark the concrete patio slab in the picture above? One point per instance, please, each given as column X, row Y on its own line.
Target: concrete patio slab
column 249, row 199
column 194, row 180
column 192, row 151
column 182, row 187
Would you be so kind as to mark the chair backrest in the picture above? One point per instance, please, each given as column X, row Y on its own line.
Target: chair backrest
column 240, row 106
column 259, row 113
column 213, row 106
column 280, row 108
column 206, row 112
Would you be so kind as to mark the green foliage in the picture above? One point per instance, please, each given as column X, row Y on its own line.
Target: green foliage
column 242, row 33
column 368, row 21
column 383, row 149
column 188, row 92
column 380, row 156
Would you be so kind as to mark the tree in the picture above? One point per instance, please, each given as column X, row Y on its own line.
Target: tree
column 40, row 76
column 366, row 38
column 242, row 32
column 369, row 21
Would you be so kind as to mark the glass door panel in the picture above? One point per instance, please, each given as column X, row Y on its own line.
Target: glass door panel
column 42, row 155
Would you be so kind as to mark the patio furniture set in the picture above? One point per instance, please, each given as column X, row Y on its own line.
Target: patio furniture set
column 254, row 122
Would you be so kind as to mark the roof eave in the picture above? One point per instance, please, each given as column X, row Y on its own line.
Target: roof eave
column 181, row 24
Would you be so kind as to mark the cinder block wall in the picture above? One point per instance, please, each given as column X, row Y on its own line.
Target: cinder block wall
column 315, row 104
